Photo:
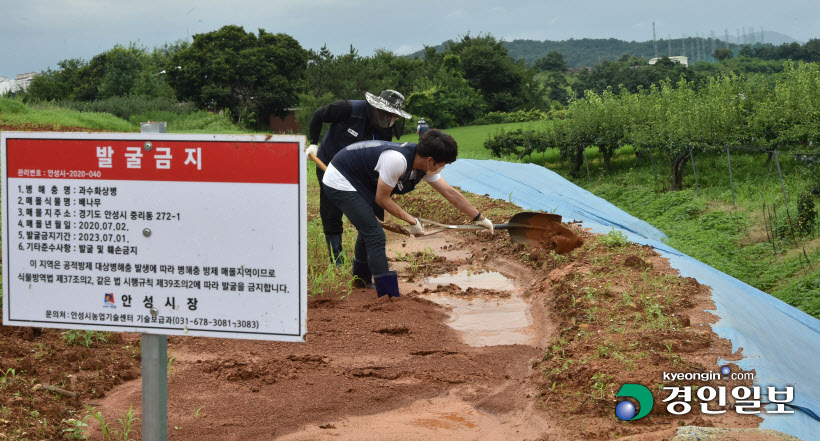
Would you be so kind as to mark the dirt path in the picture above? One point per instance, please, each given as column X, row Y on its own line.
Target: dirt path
column 371, row 369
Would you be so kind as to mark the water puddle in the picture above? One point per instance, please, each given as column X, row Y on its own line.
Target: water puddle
column 483, row 319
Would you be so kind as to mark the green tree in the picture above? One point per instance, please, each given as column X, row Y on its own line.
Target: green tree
column 248, row 74
column 722, row 54
column 489, row 69
column 121, row 71
column 552, row 62
column 57, row 84
column 447, row 99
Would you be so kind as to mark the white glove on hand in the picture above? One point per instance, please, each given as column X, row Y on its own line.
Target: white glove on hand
column 417, row 229
column 313, row 148
column 486, row 223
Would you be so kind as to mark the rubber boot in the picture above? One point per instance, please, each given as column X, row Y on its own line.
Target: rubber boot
column 361, row 275
column 334, row 245
column 387, row 283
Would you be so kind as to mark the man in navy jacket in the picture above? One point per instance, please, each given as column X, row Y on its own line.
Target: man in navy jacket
column 350, row 121
column 364, row 175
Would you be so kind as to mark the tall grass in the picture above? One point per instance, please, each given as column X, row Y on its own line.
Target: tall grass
column 731, row 237
column 14, row 112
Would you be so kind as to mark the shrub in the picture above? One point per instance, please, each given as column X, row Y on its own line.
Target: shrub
column 806, row 213
column 513, row 117
column 126, row 107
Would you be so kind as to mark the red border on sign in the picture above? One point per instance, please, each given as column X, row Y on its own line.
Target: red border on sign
column 218, row 161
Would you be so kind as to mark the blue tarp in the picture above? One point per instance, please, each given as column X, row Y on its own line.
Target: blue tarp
column 778, row 341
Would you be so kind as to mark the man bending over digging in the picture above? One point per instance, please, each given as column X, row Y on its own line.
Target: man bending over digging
column 360, row 180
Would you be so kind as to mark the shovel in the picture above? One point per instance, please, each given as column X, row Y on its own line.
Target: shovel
column 543, row 230
column 533, row 229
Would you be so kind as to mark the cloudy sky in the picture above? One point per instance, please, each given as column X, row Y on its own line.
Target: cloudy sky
column 36, row 34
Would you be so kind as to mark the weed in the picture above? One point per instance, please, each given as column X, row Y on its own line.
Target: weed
column 600, row 385
column 105, row 427
column 171, row 360
column 198, row 413
column 560, row 259
column 127, row 422
column 80, row 337
column 613, row 239
column 7, row 377
column 76, row 429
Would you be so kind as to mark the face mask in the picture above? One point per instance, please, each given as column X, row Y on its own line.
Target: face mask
column 384, row 119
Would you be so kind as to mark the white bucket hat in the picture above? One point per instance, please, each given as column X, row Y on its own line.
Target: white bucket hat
column 389, row 101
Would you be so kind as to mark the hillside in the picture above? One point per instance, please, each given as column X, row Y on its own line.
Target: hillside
column 591, row 51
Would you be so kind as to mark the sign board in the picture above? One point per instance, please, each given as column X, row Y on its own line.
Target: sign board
column 200, row 235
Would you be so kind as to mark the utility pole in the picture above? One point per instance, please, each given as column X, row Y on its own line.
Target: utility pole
column 726, row 40
column 654, row 41
column 712, row 39
column 669, row 42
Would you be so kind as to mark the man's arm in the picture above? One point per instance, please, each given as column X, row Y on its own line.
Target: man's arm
column 335, row 112
column 384, row 200
column 455, row 197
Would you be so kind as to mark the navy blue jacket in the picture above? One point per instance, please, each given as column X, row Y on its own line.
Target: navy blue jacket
column 356, row 128
column 358, row 161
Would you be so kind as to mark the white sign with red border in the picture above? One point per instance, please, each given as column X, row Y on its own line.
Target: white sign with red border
column 200, row 235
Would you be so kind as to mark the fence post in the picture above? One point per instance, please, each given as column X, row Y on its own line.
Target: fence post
column 731, row 178
column 782, row 184
column 692, row 155
column 653, row 165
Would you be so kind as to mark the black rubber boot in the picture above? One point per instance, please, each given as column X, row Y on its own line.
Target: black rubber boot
column 387, row 283
column 334, row 245
column 361, row 275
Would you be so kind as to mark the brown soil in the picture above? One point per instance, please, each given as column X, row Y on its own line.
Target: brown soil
column 380, row 368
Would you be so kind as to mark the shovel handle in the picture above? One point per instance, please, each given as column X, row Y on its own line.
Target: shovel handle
column 318, row 161
column 445, row 227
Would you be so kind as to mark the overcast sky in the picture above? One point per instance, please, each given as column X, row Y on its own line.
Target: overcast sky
column 36, row 34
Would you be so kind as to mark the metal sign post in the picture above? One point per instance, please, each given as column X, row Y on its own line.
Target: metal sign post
column 154, row 362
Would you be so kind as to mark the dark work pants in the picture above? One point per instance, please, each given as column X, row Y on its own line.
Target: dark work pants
column 371, row 241
column 331, row 216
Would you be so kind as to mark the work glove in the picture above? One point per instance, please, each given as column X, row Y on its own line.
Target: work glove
column 313, row 148
column 417, row 229
column 486, row 223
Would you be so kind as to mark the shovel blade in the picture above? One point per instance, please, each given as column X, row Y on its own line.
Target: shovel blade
column 543, row 230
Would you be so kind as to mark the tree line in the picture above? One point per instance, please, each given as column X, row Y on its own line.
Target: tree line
column 254, row 75
column 676, row 118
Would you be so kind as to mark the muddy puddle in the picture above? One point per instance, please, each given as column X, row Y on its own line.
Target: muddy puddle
column 492, row 314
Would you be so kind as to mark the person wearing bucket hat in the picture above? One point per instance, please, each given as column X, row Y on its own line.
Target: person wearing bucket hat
column 372, row 118
column 364, row 175
column 422, row 128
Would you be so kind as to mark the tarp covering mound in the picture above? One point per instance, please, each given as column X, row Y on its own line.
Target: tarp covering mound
column 780, row 342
